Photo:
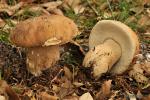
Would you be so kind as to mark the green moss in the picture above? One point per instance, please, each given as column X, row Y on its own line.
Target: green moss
column 11, row 2
column 90, row 22
column 146, row 41
column 4, row 36
column 70, row 13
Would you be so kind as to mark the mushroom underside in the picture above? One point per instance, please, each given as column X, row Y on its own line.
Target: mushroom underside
column 41, row 58
column 102, row 57
column 112, row 47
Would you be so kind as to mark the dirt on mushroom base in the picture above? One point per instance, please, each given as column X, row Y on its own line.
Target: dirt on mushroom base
column 55, row 80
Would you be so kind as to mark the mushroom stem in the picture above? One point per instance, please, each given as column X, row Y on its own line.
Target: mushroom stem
column 103, row 57
column 41, row 58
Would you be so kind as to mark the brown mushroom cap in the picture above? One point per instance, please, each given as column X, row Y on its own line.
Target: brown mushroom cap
column 43, row 31
column 120, row 33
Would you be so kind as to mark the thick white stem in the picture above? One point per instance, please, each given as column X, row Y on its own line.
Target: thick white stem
column 41, row 58
column 102, row 57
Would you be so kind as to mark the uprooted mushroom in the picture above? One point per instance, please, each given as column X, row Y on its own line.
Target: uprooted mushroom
column 112, row 47
column 42, row 36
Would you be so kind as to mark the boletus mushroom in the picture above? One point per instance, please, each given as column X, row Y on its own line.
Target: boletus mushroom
column 42, row 36
column 112, row 47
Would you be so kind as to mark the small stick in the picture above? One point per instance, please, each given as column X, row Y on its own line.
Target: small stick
column 56, row 76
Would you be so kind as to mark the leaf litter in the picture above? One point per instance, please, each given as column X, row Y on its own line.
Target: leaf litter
column 68, row 80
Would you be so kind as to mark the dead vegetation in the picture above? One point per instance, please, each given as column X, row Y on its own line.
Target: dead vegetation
column 68, row 79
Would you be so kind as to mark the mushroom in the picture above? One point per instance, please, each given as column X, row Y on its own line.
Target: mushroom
column 112, row 47
column 42, row 36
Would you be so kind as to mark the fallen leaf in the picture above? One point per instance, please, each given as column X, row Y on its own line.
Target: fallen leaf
column 3, row 1
column 26, row 1
column 33, row 9
column 144, row 20
column 56, row 12
column 2, row 23
column 146, row 97
column 2, row 98
column 55, row 88
column 139, row 95
column 66, row 88
column 74, row 4
column 138, row 74
column 104, row 91
column 68, row 73
column 146, row 67
column 86, row 96
column 10, row 9
column 106, row 86
column 131, row 96
column 7, row 91
column 71, row 98
column 46, row 96
column 51, row 5
column 78, row 84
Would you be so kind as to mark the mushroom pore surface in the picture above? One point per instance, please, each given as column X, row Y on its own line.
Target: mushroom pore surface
column 120, row 59
column 41, row 58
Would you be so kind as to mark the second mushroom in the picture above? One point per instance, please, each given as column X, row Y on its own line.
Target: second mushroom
column 42, row 36
column 112, row 47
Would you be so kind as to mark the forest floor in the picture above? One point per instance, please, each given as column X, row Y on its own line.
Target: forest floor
column 68, row 79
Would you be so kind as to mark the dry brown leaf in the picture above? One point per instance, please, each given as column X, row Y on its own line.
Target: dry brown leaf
column 86, row 96
column 104, row 91
column 33, row 9
column 114, row 94
column 71, row 98
column 78, row 84
column 26, row 1
column 10, row 9
column 3, row 1
column 7, row 91
column 73, row 4
column 131, row 19
column 66, row 88
column 139, row 95
column 138, row 73
column 145, row 2
column 55, row 88
column 146, row 67
column 2, row 98
column 144, row 20
column 146, row 98
column 46, row 96
column 131, row 96
column 68, row 73
column 103, row 6
column 137, row 10
column 56, row 12
column 106, row 86
column 2, row 23
column 51, row 5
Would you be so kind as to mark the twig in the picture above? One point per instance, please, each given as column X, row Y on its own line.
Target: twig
column 95, row 11
column 56, row 76
column 110, row 8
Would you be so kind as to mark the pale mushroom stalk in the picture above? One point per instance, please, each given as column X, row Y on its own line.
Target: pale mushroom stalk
column 40, row 58
column 112, row 47
column 107, row 53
